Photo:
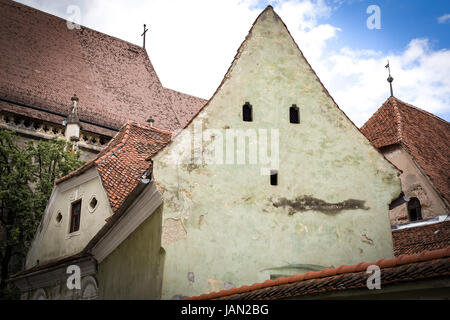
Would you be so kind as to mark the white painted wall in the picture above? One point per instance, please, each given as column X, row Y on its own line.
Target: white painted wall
column 53, row 240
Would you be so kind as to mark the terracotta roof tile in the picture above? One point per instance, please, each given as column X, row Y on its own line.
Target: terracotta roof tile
column 422, row 238
column 125, row 159
column 425, row 136
column 44, row 64
column 426, row 265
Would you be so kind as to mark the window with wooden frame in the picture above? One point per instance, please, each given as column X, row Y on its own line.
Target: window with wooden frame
column 75, row 216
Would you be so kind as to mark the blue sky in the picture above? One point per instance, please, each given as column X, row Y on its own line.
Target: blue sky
column 192, row 43
column 401, row 21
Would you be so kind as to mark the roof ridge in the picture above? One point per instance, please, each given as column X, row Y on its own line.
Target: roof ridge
column 82, row 26
column 422, row 110
column 149, row 127
column 91, row 162
column 327, row 272
column 118, row 147
column 398, row 119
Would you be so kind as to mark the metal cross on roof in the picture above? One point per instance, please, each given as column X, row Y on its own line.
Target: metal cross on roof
column 143, row 35
column 390, row 79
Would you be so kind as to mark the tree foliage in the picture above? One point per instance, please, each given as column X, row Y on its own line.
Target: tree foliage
column 27, row 175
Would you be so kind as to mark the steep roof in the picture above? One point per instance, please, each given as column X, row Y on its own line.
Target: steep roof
column 125, row 160
column 422, row 238
column 44, row 63
column 426, row 265
column 425, row 136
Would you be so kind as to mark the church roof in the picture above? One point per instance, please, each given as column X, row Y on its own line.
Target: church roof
column 44, row 63
column 425, row 136
column 426, row 265
column 125, row 160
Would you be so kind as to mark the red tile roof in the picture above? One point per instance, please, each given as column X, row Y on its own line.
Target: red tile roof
column 125, row 159
column 425, row 136
column 43, row 63
column 426, row 265
column 422, row 238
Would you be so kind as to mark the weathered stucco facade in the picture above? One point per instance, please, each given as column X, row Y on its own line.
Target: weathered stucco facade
column 224, row 224
column 53, row 239
column 134, row 269
column 415, row 184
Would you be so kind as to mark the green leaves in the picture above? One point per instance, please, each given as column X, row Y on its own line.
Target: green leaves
column 28, row 172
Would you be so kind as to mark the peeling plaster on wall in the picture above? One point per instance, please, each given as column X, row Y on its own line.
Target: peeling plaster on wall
column 215, row 285
column 414, row 184
column 229, row 285
column 338, row 235
column 241, row 232
column 172, row 231
column 366, row 239
column 306, row 203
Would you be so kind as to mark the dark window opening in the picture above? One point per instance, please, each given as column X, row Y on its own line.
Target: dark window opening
column 247, row 112
column 75, row 216
column 414, row 209
column 273, row 177
column 93, row 203
column 294, row 114
column 59, row 217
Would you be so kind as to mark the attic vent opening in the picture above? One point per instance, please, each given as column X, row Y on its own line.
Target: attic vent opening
column 247, row 112
column 273, row 177
column 58, row 217
column 93, row 203
column 294, row 114
column 414, row 209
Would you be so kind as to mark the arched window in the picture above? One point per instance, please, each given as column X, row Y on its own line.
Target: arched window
column 294, row 114
column 414, row 209
column 247, row 113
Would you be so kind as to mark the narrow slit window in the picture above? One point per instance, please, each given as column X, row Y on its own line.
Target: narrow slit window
column 294, row 114
column 414, row 209
column 75, row 216
column 273, row 177
column 247, row 112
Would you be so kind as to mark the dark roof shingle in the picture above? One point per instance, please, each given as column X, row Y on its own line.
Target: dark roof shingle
column 426, row 265
column 421, row 238
column 425, row 136
column 125, row 159
column 44, row 63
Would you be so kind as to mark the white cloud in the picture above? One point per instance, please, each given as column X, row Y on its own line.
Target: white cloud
column 444, row 18
column 192, row 43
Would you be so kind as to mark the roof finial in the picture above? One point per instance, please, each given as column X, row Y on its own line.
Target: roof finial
column 150, row 121
column 143, row 35
column 390, row 79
